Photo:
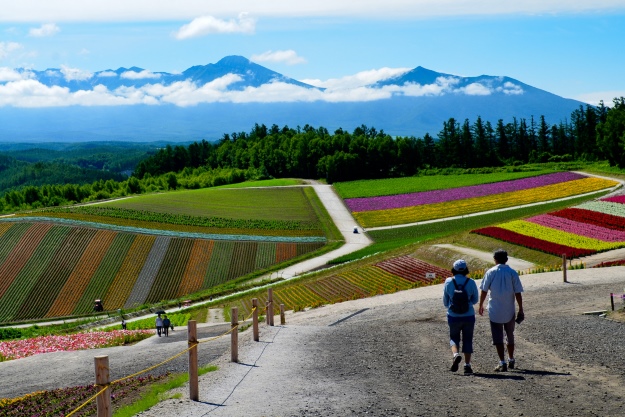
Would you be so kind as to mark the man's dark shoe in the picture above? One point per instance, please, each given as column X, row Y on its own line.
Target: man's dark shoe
column 502, row 367
column 511, row 364
column 467, row 369
column 454, row 365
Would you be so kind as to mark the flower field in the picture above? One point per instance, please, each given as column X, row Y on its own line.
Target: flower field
column 51, row 270
column 392, row 275
column 588, row 228
column 436, row 204
column 60, row 402
column 412, row 269
column 16, row 349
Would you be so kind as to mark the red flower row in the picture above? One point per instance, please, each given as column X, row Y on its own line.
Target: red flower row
column 532, row 242
column 592, row 217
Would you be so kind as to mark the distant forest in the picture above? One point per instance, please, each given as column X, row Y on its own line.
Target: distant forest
column 592, row 133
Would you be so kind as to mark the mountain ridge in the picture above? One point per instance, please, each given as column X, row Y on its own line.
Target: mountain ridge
column 231, row 95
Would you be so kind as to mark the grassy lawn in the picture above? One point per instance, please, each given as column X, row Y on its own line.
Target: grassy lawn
column 244, row 203
column 391, row 186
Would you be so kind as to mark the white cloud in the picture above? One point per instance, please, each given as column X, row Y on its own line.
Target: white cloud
column 142, row 75
column 75, row 74
column 30, row 93
column 207, row 25
column 161, row 10
column 288, row 57
column 511, row 89
column 106, row 74
column 45, row 30
column 360, row 79
column 9, row 74
column 596, row 97
column 7, row 47
column 84, row 51
column 476, row 89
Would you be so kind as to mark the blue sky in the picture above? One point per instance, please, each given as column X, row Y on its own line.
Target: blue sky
column 570, row 49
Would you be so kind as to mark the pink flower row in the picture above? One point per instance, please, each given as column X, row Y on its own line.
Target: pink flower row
column 15, row 349
column 578, row 228
column 460, row 193
column 616, row 199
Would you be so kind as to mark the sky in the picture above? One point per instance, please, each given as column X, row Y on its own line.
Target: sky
column 570, row 48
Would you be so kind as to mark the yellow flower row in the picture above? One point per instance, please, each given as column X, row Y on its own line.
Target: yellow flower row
column 558, row 236
column 413, row 214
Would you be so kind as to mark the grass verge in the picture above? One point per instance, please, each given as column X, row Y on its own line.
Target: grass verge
column 158, row 392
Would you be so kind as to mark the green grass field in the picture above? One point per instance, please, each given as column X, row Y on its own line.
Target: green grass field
column 245, row 203
column 392, row 186
column 276, row 182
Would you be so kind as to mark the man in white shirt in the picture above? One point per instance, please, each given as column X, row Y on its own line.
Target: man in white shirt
column 503, row 286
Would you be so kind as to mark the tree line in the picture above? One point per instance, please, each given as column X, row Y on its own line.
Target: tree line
column 592, row 133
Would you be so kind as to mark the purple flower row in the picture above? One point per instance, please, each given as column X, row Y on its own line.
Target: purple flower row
column 578, row 228
column 452, row 194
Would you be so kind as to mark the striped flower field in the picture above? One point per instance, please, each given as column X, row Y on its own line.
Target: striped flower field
column 436, row 204
column 588, row 228
column 54, row 270
column 389, row 276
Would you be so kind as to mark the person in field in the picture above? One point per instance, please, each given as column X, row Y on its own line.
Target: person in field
column 459, row 295
column 159, row 325
column 503, row 286
column 166, row 324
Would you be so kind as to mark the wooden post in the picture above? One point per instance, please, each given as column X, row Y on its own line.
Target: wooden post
column 267, row 313
column 234, row 334
column 194, row 392
column 103, row 400
column 564, row 267
column 612, row 300
column 270, row 309
column 255, row 319
column 282, row 318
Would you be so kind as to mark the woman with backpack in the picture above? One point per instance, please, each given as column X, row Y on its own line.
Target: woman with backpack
column 459, row 295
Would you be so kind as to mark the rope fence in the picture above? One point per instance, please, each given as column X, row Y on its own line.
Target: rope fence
column 103, row 396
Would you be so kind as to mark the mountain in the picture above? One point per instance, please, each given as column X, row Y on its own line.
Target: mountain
column 206, row 101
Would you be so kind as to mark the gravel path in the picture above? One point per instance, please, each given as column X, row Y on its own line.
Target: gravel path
column 386, row 356
column 514, row 263
column 389, row 356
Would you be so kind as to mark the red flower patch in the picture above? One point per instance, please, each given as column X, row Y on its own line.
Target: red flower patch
column 532, row 242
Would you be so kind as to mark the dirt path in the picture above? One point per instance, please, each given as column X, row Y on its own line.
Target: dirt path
column 517, row 264
column 389, row 356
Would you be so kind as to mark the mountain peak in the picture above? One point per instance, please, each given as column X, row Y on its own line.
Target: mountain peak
column 234, row 60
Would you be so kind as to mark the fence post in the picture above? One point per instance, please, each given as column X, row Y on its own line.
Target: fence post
column 564, row 267
column 612, row 300
column 270, row 309
column 255, row 319
column 282, row 318
column 103, row 400
column 267, row 313
column 234, row 334
column 194, row 392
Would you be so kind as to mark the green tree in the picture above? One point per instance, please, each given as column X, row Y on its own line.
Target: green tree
column 611, row 134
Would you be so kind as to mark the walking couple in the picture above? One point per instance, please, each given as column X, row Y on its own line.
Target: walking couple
column 502, row 286
column 162, row 325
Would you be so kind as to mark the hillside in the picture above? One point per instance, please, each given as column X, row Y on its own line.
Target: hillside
column 128, row 262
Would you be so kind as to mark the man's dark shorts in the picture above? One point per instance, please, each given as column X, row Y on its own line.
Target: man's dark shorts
column 498, row 329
